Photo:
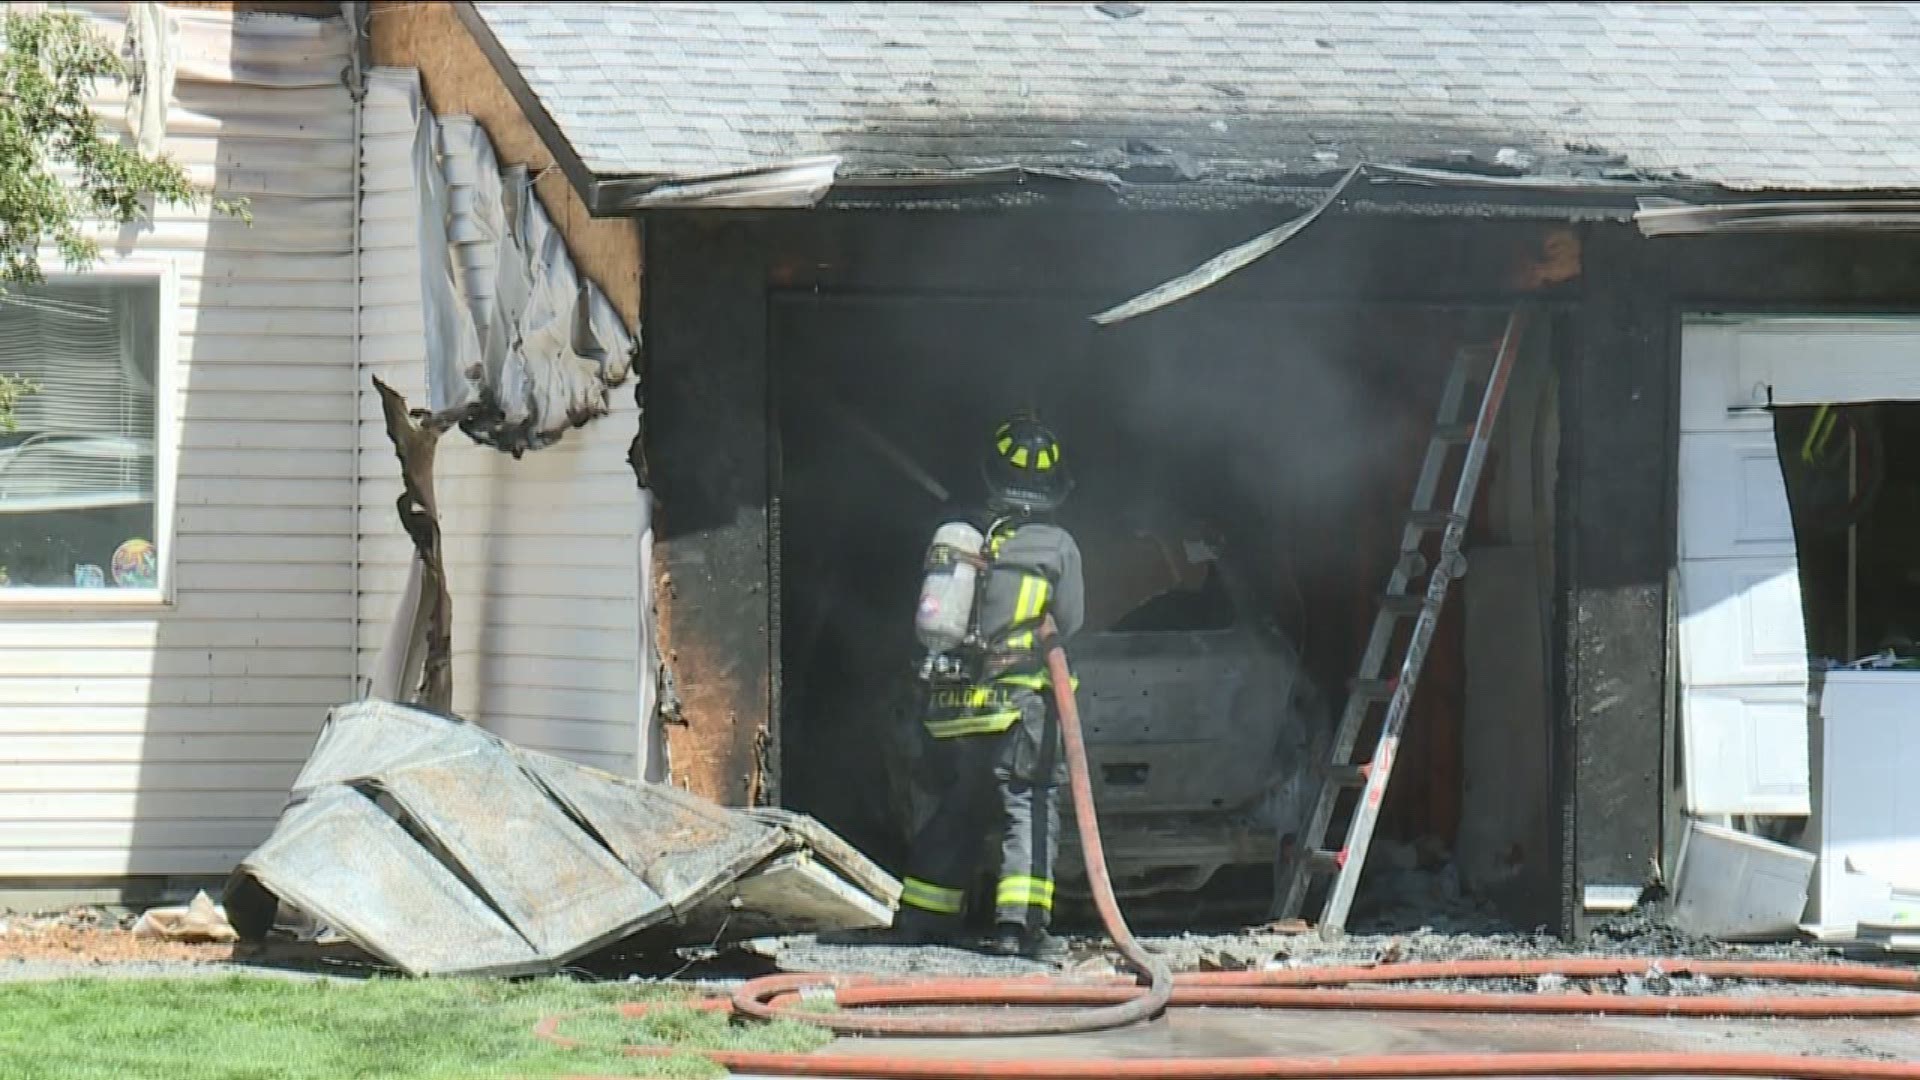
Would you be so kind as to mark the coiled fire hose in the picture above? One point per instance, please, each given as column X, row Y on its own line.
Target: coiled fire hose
column 1099, row 1004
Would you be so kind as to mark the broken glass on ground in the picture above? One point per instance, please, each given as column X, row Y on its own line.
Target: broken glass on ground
column 441, row 849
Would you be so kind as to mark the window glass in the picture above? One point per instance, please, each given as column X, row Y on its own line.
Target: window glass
column 77, row 479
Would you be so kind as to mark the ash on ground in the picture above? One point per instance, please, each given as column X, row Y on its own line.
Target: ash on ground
column 1412, row 908
column 1265, row 949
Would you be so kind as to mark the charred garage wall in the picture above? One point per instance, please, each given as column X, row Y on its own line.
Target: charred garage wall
column 762, row 325
column 792, row 357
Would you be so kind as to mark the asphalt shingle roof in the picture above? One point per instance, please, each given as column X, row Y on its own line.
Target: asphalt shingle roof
column 1752, row 96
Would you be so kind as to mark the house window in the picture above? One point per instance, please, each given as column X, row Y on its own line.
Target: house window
column 79, row 505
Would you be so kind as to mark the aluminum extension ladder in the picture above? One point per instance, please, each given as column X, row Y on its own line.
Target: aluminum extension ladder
column 1300, row 863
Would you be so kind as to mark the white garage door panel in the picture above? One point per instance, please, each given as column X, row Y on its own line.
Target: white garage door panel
column 1746, row 750
column 1711, row 382
column 1734, row 500
column 1813, row 362
column 1741, row 623
column 1743, row 649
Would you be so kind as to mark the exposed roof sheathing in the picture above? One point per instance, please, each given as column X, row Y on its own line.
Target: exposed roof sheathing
column 1784, row 96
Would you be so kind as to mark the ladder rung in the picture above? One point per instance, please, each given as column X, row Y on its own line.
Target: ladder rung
column 1350, row 776
column 1403, row 604
column 1433, row 520
column 1457, row 434
column 1327, row 862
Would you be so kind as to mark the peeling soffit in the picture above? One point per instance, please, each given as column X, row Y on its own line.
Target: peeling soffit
column 1246, row 254
column 787, row 185
column 1671, row 217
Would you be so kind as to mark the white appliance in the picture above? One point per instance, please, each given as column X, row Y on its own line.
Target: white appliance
column 1869, row 816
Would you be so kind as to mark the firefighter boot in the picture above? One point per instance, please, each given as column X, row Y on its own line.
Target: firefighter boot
column 915, row 927
column 1013, row 939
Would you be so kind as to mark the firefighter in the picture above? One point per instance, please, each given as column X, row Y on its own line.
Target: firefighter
column 997, row 728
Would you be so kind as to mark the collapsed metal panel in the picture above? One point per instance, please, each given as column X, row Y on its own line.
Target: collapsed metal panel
column 442, row 849
column 364, row 739
column 561, row 890
column 336, row 851
column 684, row 847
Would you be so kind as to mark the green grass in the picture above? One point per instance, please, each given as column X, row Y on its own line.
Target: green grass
column 249, row 1028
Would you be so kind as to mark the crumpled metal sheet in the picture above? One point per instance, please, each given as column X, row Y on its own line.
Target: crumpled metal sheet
column 553, row 881
column 440, row 848
column 546, row 344
column 685, row 848
column 336, row 849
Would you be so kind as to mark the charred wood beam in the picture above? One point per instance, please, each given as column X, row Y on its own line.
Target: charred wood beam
column 1616, row 471
column 708, row 445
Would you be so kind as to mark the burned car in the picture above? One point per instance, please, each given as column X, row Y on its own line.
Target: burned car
column 1202, row 729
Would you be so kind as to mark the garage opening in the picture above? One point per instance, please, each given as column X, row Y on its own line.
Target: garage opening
column 1853, row 484
column 1244, row 470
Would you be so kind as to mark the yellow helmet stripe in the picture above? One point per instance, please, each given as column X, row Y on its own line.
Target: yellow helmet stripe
column 1019, row 457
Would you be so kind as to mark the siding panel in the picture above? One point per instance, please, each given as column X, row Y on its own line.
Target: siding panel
column 162, row 741
column 543, row 551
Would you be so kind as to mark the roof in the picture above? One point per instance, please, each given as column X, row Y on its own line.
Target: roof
column 1761, row 96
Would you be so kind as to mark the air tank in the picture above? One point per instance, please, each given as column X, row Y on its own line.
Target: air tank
column 945, row 613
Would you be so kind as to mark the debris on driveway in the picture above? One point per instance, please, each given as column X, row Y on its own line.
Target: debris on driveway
column 200, row 922
column 441, row 849
column 87, row 938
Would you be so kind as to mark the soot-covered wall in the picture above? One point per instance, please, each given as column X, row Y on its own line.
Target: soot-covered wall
column 714, row 403
column 1290, row 433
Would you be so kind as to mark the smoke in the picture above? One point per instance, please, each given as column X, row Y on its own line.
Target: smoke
column 1290, row 432
column 1272, row 421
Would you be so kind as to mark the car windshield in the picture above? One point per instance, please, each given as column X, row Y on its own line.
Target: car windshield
column 1182, row 610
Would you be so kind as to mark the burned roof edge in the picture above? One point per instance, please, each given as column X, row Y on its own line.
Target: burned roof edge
column 811, row 181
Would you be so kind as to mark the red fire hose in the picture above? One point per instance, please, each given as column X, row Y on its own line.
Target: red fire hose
column 1128, row 1006
column 1105, row 1003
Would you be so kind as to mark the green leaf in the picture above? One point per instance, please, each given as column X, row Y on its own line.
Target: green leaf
column 58, row 170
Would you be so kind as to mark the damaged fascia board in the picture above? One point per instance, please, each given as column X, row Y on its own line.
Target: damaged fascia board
column 1669, row 217
column 792, row 185
column 1227, row 262
column 986, row 174
column 1408, row 174
column 1243, row 255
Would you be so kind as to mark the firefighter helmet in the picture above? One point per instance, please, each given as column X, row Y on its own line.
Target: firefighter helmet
column 1023, row 468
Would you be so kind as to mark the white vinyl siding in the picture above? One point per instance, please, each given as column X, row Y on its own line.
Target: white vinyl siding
column 542, row 552
column 161, row 739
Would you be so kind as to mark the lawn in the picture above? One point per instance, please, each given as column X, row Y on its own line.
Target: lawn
column 253, row 1028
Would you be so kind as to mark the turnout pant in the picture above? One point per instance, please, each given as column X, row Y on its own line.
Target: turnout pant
column 1006, row 784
